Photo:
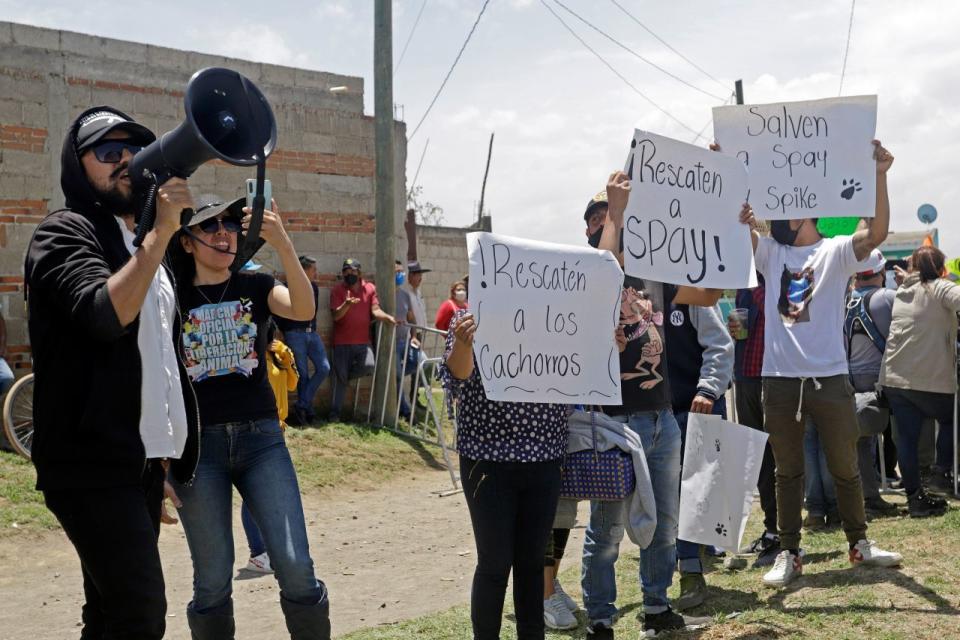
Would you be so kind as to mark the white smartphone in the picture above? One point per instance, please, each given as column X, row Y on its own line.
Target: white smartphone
column 252, row 191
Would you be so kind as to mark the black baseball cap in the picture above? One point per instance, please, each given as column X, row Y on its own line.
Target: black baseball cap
column 350, row 263
column 596, row 201
column 100, row 121
column 210, row 206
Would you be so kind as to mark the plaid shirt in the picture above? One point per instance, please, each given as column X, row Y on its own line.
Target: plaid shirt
column 749, row 352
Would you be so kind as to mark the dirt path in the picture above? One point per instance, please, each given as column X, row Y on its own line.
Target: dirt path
column 386, row 555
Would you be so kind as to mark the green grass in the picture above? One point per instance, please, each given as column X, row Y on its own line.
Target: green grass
column 329, row 458
column 829, row 602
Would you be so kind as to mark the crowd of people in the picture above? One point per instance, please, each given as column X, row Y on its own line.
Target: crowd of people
column 189, row 366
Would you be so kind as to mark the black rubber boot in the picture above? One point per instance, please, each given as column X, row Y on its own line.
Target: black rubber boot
column 216, row 624
column 307, row 621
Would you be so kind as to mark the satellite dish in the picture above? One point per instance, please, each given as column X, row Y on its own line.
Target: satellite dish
column 927, row 213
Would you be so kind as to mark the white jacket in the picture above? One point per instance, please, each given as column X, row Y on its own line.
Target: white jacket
column 641, row 508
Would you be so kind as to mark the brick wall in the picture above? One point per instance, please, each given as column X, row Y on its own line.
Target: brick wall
column 322, row 172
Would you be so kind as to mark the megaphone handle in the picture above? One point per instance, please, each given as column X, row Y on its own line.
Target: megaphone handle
column 251, row 241
column 148, row 215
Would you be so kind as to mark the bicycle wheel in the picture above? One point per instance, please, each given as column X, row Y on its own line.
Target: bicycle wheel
column 18, row 415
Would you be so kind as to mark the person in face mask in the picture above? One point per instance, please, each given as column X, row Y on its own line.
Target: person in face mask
column 805, row 369
column 353, row 303
column 457, row 300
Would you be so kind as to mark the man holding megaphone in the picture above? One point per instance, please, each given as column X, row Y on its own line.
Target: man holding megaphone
column 113, row 411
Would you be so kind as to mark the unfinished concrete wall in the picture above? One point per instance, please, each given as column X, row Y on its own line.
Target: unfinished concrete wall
column 322, row 171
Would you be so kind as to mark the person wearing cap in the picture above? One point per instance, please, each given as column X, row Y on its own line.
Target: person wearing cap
column 302, row 337
column 867, row 324
column 417, row 310
column 104, row 440
column 919, row 374
column 595, row 215
column 354, row 305
column 225, row 346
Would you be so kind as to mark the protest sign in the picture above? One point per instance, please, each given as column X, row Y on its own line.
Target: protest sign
column 681, row 223
column 721, row 464
column 810, row 159
column 546, row 315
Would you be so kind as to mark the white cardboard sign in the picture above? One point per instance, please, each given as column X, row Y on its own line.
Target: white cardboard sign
column 721, row 464
column 546, row 315
column 811, row 159
column 681, row 223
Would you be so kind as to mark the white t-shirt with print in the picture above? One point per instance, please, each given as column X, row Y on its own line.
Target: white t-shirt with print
column 804, row 306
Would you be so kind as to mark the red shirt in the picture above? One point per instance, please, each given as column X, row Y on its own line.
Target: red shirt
column 445, row 313
column 354, row 327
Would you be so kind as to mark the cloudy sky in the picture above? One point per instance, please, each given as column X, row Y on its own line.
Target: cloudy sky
column 562, row 119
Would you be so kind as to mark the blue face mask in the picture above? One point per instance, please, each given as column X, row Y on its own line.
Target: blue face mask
column 401, row 277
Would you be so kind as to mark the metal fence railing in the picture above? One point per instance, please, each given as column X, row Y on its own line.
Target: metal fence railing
column 427, row 401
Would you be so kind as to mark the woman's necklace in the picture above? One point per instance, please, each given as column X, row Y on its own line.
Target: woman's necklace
column 222, row 293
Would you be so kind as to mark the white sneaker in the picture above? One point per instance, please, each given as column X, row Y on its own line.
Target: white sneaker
column 868, row 553
column 568, row 602
column 556, row 615
column 786, row 567
column 260, row 564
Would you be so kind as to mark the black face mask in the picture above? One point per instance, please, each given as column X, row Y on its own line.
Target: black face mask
column 594, row 239
column 782, row 233
column 351, row 279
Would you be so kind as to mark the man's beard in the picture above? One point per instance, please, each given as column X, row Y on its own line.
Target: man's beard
column 114, row 200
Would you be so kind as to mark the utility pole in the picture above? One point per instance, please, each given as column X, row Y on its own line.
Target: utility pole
column 483, row 189
column 384, row 384
column 738, row 86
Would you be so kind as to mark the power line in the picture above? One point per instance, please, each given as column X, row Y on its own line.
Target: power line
column 413, row 184
column 704, row 127
column 634, row 53
column 452, row 67
column 846, row 50
column 617, row 73
column 664, row 43
column 410, row 37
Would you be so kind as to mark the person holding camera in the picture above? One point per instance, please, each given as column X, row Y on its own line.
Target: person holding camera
column 104, row 440
column 224, row 343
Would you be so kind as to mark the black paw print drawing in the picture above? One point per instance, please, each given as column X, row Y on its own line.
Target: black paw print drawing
column 716, row 443
column 849, row 188
column 721, row 530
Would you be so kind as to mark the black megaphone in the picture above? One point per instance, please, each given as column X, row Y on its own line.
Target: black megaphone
column 227, row 118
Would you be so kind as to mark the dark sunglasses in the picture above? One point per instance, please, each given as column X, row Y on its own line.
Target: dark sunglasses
column 111, row 151
column 212, row 225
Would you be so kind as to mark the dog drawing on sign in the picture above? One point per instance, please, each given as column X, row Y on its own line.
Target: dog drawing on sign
column 638, row 316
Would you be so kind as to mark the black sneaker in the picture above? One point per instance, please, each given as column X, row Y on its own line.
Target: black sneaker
column 600, row 630
column 767, row 554
column 940, row 482
column 654, row 623
column 923, row 505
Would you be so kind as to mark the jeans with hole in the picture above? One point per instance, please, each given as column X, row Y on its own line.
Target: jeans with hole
column 253, row 457
column 820, row 494
column 307, row 348
column 688, row 553
column 660, row 437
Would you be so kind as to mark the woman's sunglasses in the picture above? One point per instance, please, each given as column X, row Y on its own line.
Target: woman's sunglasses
column 212, row 225
column 111, row 151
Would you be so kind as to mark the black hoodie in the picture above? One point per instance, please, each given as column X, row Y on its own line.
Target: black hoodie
column 86, row 404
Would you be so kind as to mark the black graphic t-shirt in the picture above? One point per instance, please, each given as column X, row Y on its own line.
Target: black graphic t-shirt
column 643, row 364
column 224, row 342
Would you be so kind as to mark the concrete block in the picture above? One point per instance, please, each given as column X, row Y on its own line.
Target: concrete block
column 80, row 44
column 276, row 75
column 251, row 70
column 35, row 37
column 6, row 33
column 79, row 94
column 22, row 163
column 12, row 187
column 11, row 112
column 26, row 89
column 158, row 104
column 173, row 59
column 197, row 61
column 123, row 100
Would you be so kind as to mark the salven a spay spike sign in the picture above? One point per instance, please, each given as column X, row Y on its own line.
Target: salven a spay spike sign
column 681, row 222
column 811, row 159
column 546, row 316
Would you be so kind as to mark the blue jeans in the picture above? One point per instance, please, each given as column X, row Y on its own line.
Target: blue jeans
column 660, row 436
column 307, row 347
column 6, row 377
column 252, row 531
column 820, row 495
column 688, row 553
column 253, row 457
column 910, row 408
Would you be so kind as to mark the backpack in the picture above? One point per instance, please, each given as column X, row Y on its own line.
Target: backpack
column 858, row 320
